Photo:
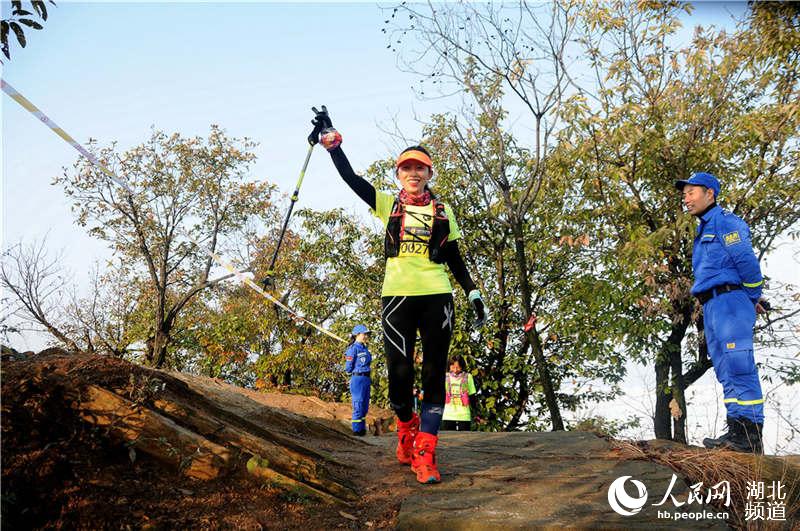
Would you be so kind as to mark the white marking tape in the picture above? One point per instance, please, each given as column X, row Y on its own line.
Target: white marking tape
column 31, row 108
column 268, row 296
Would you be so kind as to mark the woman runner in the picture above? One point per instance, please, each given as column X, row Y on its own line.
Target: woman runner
column 459, row 388
column 421, row 237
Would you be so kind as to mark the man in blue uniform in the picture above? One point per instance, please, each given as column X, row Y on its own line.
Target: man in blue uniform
column 728, row 284
column 357, row 364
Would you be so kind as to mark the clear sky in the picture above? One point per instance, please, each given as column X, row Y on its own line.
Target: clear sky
column 112, row 70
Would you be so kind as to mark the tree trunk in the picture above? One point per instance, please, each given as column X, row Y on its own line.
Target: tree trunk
column 678, row 386
column 157, row 346
column 524, row 391
column 67, row 342
column 703, row 362
column 661, row 418
column 671, row 388
column 678, row 396
column 533, row 338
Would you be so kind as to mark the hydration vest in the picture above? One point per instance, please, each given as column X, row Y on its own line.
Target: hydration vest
column 463, row 380
column 395, row 229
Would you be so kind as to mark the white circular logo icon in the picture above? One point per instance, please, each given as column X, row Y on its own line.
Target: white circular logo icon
column 619, row 500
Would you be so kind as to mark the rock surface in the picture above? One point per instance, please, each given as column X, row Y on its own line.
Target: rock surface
column 536, row 480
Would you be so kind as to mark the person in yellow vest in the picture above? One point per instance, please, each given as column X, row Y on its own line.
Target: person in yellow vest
column 459, row 387
column 420, row 245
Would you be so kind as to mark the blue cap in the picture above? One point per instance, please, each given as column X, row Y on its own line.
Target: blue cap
column 360, row 329
column 700, row 179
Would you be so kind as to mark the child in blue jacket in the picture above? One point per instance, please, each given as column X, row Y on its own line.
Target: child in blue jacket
column 357, row 365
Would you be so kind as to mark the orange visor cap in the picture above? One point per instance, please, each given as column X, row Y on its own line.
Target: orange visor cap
column 419, row 156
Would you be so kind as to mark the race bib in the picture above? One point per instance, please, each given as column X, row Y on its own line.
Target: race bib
column 417, row 233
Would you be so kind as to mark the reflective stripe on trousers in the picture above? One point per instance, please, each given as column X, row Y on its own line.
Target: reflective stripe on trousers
column 729, row 319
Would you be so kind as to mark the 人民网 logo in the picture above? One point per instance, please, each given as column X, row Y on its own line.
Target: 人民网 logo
column 621, row 502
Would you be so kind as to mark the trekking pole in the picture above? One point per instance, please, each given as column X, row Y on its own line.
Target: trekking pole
column 267, row 281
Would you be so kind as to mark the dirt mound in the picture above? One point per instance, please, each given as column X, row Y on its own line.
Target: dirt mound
column 97, row 442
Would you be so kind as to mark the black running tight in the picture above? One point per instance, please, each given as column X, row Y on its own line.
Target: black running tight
column 433, row 316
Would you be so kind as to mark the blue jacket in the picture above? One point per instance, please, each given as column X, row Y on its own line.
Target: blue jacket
column 357, row 358
column 722, row 254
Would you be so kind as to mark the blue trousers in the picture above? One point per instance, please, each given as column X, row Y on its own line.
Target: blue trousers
column 359, row 390
column 729, row 319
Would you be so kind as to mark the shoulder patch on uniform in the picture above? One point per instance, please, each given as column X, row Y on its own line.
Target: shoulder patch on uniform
column 732, row 238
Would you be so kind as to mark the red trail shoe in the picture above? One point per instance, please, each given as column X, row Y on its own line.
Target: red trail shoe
column 424, row 458
column 406, row 434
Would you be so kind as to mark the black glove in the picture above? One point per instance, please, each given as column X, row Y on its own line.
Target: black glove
column 321, row 121
column 480, row 309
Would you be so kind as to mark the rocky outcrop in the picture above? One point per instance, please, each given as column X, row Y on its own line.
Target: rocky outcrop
column 563, row 479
